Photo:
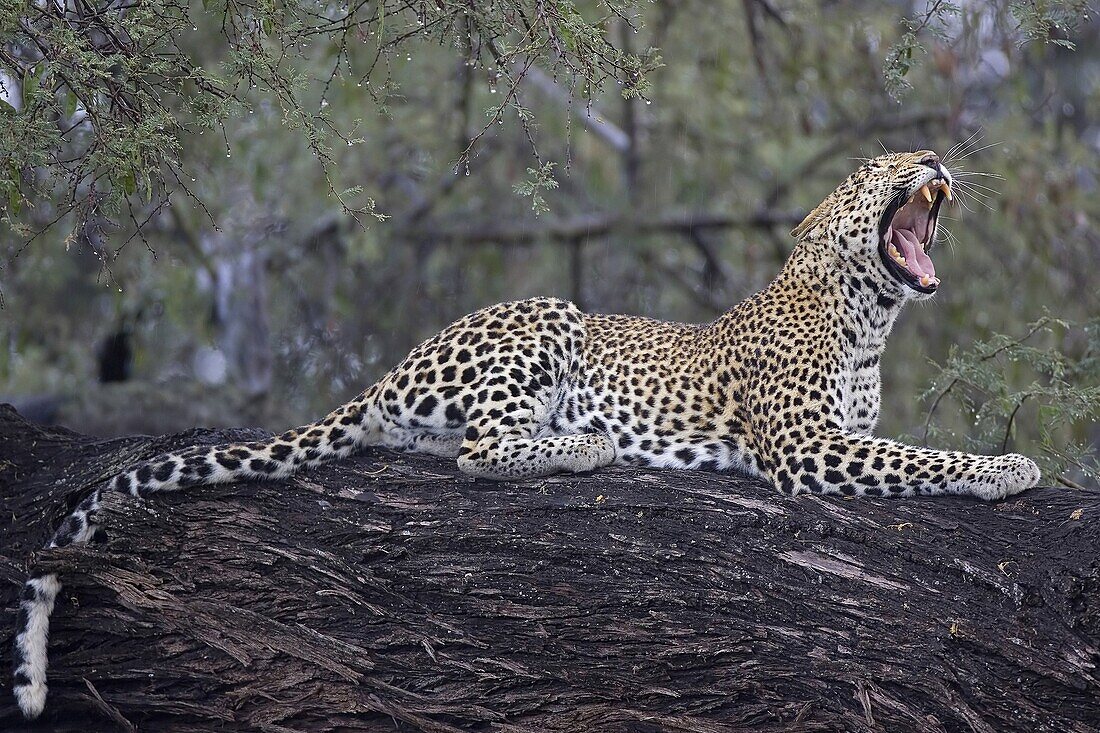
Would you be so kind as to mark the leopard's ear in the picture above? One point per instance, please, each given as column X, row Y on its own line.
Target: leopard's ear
column 820, row 213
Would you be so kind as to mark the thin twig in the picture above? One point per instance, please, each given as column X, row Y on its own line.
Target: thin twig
column 1060, row 478
column 1036, row 327
column 1011, row 418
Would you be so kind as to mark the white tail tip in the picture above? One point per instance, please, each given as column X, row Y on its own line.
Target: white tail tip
column 31, row 699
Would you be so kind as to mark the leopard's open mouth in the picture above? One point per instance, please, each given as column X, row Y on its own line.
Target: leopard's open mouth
column 907, row 230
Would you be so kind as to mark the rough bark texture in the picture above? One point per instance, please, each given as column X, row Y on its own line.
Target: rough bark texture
column 386, row 592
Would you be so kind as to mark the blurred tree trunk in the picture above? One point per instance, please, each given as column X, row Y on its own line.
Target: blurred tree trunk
column 241, row 312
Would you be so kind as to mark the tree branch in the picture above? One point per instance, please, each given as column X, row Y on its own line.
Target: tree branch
column 587, row 226
column 591, row 118
column 415, row 598
column 836, row 146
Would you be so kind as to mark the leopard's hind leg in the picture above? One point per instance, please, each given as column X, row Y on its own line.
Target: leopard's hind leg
column 496, row 439
column 444, row 445
column 506, row 444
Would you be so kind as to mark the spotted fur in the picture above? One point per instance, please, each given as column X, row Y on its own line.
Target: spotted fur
column 784, row 386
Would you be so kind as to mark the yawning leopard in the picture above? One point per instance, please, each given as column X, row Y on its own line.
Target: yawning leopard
column 784, row 386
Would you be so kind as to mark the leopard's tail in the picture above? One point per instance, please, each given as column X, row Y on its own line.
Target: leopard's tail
column 32, row 633
column 335, row 436
column 32, row 626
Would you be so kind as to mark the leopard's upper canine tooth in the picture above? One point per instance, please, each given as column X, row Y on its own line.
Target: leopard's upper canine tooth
column 946, row 188
column 926, row 193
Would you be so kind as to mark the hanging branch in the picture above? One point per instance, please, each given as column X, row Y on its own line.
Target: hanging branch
column 122, row 79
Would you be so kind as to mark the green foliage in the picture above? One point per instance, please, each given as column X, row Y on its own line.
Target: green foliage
column 540, row 179
column 87, row 123
column 100, row 97
column 1048, row 21
column 901, row 57
column 1050, row 377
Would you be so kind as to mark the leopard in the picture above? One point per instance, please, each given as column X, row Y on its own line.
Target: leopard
column 784, row 386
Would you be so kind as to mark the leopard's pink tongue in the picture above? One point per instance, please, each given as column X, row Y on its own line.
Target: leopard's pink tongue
column 916, row 261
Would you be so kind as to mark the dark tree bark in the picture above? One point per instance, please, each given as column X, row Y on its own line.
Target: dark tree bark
column 386, row 592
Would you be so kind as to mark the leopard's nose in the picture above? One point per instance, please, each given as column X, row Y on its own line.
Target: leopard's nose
column 933, row 161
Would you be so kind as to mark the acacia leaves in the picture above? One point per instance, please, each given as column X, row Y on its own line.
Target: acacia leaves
column 1051, row 374
column 98, row 95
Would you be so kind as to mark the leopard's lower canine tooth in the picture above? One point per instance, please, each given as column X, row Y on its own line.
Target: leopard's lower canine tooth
column 924, row 280
column 926, row 193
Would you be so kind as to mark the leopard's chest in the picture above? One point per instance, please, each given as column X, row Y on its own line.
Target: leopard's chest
column 865, row 330
column 861, row 398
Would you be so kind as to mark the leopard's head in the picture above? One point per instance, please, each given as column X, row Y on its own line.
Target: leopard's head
column 884, row 216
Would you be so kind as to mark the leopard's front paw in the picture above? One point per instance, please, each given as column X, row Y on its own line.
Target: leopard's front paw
column 1010, row 474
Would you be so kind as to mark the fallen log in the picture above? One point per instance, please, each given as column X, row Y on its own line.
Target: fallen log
column 388, row 592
